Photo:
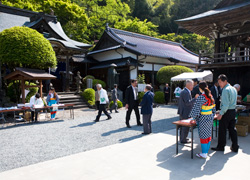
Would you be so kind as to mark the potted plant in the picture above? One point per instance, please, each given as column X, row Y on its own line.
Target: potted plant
column 141, row 82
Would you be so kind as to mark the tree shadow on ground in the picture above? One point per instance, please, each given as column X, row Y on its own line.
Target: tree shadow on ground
column 30, row 124
column 181, row 166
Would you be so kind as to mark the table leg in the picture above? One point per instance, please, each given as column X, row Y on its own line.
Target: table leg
column 177, row 139
column 192, row 142
column 73, row 112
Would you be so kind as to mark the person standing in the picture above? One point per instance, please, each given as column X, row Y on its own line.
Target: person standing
column 203, row 112
column 185, row 105
column 132, row 103
column 166, row 93
column 216, row 94
column 226, row 116
column 147, row 109
column 196, row 88
column 115, row 99
column 177, row 93
column 103, row 102
column 52, row 99
column 35, row 100
column 97, row 98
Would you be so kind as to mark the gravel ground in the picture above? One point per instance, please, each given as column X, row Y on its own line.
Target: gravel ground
column 26, row 144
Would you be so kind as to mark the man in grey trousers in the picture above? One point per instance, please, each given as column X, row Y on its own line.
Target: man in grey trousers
column 114, row 99
column 186, row 103
column 147, row 109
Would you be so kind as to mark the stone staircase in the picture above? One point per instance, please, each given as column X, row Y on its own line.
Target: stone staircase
column 72, row 98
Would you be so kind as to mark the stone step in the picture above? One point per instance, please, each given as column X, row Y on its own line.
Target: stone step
column 81, row 106
column 71, row 100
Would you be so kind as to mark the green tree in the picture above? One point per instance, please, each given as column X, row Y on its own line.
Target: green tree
column 165, row 74
column 25, row 47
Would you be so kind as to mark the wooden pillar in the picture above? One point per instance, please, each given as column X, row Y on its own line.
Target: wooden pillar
column 23, row 90
column 153, row 74
column 67, row 73
column 41, row 88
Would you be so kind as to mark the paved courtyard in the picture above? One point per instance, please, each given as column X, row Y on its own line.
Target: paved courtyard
column 27, row 144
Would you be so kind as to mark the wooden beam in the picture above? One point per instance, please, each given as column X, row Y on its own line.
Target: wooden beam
column 41, row 88
column 23, row 90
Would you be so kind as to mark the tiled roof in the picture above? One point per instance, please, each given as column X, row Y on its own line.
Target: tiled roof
column 10, row 17
column 146, row 45
column 215, row 12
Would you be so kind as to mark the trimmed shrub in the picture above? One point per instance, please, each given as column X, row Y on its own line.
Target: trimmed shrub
column 98, row 81
column 89, row 96
column 159, row 97
column 84, row 80
column 119, row 104
column 14, row 91
column 165, row 74
column 140, row 96
column 25, row 47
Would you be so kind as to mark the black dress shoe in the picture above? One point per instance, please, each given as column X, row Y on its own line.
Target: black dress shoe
column 96, row 120
column 128, row 126
column 116, row 111
column 109, row 118
column 145, row 133
column 110, row 111
column 185, row 142
column 234, row 149
column 139, row 124
column 217, row 149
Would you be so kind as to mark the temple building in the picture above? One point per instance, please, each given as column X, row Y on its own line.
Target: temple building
column 48, row 25
column 132, row 54
column 229, row 25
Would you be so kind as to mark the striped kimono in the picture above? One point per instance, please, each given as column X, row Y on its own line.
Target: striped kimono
column 203, row 112
column 52, row 99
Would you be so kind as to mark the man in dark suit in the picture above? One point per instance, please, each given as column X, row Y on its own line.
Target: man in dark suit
column 215, row 91
column 166, row 91
column 114, row 99
column 186, row 103
column 147, row 109
column 132, row 103
column 196, row 88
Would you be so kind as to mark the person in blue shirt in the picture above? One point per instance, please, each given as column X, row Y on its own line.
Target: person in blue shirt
column 147, row 109
column 226, row 116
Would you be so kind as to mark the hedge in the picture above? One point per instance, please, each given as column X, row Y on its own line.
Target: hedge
column 98, row 81
column 119, row 104
column 159, row 97
column 140, row 96
column 25, row 47
column 14, row 91
column 89, row 96
column 165, row 74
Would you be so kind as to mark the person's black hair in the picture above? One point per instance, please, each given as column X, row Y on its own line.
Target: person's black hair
column 133, row 80
column 115, row 85
column 37, row 95
column 204, row 87
column 222, row 77
column 195, row 80
column 52, row 89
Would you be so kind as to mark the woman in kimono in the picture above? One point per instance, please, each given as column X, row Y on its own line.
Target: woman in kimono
column 52, row 98
column 203, row 112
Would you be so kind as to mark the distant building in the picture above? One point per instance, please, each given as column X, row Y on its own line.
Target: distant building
column 135, row 54
column 229, row 25
column 47, row 25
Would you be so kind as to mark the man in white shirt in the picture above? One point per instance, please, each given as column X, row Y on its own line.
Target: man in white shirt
column 103, row 101
column 35, row 102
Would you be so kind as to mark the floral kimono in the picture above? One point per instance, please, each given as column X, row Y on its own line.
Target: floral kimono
column 203, row 112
